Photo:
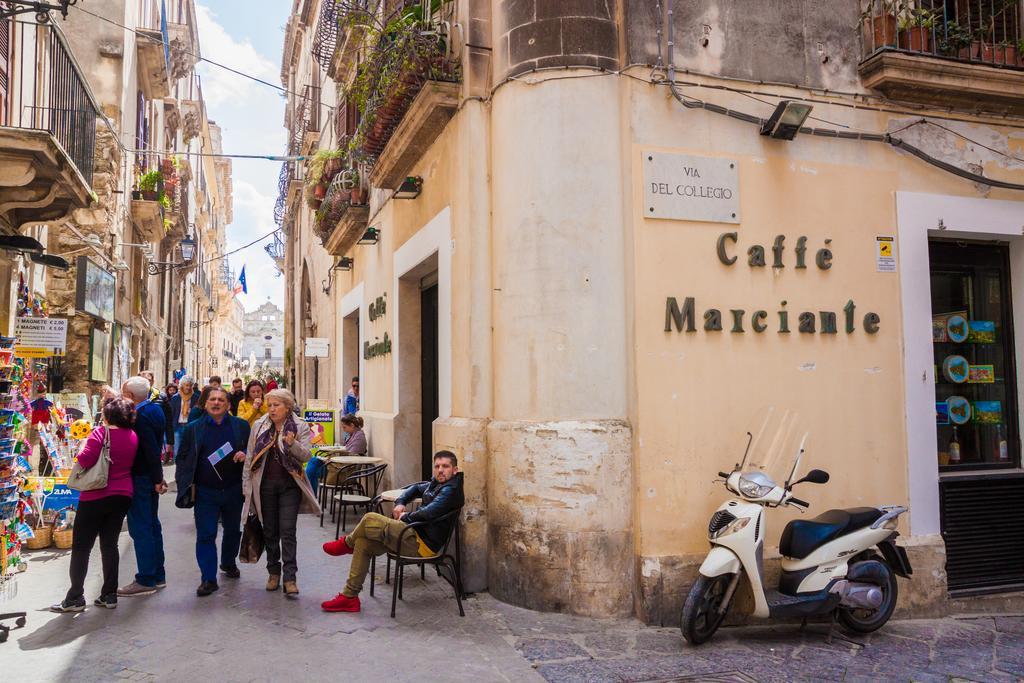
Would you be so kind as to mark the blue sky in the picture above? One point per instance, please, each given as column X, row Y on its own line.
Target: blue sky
column 248, row 35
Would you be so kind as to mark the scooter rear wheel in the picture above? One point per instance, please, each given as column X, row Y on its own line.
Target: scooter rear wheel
column 703, row 611
column 866, row 621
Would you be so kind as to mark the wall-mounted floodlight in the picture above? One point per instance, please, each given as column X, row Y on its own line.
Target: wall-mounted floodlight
column 410, row 188
column 786, row 120
column 371, row 236
column 344, row 263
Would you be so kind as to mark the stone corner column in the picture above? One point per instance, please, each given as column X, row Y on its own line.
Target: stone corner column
column 560, row 515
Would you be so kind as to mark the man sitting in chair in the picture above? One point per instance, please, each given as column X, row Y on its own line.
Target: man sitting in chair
column 376, row 534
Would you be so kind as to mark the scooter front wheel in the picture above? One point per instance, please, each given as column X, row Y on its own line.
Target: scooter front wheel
column 703, row 611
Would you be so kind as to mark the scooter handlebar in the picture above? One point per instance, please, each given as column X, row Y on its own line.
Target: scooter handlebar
column 723, row 475
column 797, row 501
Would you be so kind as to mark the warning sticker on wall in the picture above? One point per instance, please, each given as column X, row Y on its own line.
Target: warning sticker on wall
column 885, row 253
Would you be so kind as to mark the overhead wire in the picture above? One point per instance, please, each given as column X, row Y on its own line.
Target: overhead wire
column 201, row 58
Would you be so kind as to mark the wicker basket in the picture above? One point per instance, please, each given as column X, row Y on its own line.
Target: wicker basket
column 62, row 538
column 42, row 539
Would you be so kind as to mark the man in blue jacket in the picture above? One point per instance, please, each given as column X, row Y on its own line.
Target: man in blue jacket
column 210, row 457
column 148, row 484
column 376, row 534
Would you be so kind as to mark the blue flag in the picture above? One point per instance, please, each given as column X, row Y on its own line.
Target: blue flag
column 240, row 287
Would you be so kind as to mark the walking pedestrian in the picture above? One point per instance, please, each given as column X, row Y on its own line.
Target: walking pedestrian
column 181, row 404
column 163, row 400
column 148, row 485
column 101, row 512
column 210, row 458
column 237, row 394
column 352, row 398
column 200, row 407
column 275, row 489
column 252, row 407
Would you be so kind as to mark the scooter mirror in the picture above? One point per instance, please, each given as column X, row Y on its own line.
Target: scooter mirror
column 815, row 477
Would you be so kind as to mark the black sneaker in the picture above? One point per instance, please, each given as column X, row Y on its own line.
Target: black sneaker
column 207, row 588
column 69, row 606
column 107, row 601
column 231, row 572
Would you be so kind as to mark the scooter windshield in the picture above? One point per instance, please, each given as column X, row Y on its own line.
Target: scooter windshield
column 777, row 439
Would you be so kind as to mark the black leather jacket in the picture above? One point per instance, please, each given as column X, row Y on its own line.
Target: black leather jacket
column 438, row 500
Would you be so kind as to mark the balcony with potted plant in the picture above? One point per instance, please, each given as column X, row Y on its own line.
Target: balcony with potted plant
column 342, row 215
column 405, row 90
column 149, row 202
column 967, row 53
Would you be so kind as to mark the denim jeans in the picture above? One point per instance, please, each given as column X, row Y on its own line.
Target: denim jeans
column 179, row 429
column 213, row 506
column 146, row 532
column 314, row 470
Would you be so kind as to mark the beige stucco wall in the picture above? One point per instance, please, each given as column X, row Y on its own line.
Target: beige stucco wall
column 585, row 426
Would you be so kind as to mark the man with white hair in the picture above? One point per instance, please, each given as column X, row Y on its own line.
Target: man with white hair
column 148, row 483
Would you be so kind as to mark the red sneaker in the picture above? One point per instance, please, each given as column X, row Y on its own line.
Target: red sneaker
column 337, row 548
column 341, row 603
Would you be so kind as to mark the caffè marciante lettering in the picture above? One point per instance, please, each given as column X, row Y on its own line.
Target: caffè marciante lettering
column 683, row 318
column 379, row 347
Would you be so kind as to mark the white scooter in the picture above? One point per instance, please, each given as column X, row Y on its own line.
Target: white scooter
column 829, row 563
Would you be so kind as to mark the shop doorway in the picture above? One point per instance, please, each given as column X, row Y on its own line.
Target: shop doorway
column 418, row 401
column 350, row 355
column 428, row 371
column 981, row 487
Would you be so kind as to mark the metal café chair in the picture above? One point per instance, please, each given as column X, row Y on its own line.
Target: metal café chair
column 445, row 559
column 354, row 491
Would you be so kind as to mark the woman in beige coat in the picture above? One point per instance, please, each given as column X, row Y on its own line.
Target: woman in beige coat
column 275, row 485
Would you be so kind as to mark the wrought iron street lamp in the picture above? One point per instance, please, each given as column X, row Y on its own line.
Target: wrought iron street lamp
column 41, row 9
column 211, row 313
column 188, row 251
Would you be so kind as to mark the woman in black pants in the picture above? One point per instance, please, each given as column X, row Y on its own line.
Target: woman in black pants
column 101, row 512
column 276, row 488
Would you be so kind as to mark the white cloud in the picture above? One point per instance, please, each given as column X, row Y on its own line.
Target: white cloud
column 222, row 86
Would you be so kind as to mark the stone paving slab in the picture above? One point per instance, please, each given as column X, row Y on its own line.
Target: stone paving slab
column 242, row 633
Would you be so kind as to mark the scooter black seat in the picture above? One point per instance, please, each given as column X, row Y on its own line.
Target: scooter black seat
column 801, row 537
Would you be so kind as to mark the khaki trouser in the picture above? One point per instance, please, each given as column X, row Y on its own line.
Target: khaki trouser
column 375, row 535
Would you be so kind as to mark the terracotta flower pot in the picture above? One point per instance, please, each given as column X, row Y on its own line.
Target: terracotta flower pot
column 972, row 52
column 998, row 54
column 880, row 31
column 358, row 197
column 150, row 195
column 332, row 167
column 320, row 191
column 916, row 39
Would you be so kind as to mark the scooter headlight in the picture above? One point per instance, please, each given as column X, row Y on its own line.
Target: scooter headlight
column 731, row 528
column 755, row 485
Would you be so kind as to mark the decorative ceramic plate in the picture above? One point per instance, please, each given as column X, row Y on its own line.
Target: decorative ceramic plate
column 959, row 410
column 956, row 369
column 957, row 329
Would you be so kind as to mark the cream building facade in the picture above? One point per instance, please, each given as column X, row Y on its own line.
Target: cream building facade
column 603, row 273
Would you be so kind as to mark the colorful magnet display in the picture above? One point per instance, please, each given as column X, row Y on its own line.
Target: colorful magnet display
column 982, row 374
column 956, row 369
column 957, row 329
column 982, row 332
column 959, row 410
column 988, row 412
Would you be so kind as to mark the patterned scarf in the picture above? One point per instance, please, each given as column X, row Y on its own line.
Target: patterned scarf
column 270, row 435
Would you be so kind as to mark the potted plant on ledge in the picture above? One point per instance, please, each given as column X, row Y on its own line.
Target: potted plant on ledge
column 149, row 185
column 915, row 30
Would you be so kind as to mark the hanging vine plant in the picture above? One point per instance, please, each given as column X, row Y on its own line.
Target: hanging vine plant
column 404, row 52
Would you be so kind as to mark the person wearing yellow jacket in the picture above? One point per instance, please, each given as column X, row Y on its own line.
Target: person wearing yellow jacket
column 252, row 407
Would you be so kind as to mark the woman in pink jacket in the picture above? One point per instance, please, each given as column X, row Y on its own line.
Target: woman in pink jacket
column 101, row 512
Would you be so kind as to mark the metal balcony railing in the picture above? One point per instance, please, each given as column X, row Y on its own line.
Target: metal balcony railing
column 42, row 88
column 325, row 41
column 978, row 31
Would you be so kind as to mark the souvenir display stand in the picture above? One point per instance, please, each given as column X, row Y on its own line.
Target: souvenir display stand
column 14, row 503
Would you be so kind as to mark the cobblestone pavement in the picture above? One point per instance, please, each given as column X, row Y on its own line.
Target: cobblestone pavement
column 243, row 633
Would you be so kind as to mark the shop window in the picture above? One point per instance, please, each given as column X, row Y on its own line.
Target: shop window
column 975, row 379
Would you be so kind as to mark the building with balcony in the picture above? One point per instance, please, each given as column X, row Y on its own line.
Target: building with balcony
column 587, row 246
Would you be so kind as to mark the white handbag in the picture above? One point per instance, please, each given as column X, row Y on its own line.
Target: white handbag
column 95, row 477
